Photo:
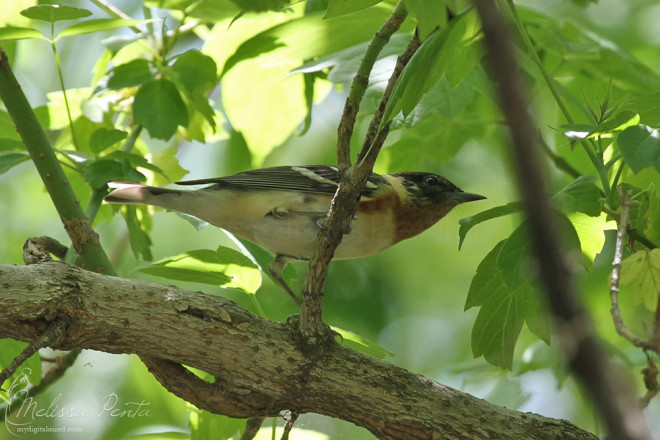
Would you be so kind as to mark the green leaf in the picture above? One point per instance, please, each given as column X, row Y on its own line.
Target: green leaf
column 205, row 425
column 134, row 160
column 640, row 147
column 137, row 230
column 357, row 342
column 536, row 313
column 452, row 52
column 131, row 74
column 616, row 123
column 10, row 160
column 647, row 105
column 261, row 257
column 344, row 63
column 263, row 5
column 103, row 137
column 468, row 223
column 262, row 99
column 196, row 75
column 196, row 72
column 244, row 274
column 7, row 127
column 504, row 288
column 606, row 129
column 224, row 267
column 501, row 315
column 343, row 7
column 18, row 33
column 581, row 195
column 513, row 261
column 430, row 15
column 54, row 13
column 641, row 271
column 179, row 5
column 166, row 160
column 434, row 141
column 98, row 25
column 485, row 279
column 11, row 144
column 584, row 3
column 591, row 232
column 102, row 171
column 159, row 107
column 306, row 37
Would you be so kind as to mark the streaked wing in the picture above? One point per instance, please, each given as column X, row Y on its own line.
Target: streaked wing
column 313, row 179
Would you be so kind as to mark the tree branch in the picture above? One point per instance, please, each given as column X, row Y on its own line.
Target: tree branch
column 615, row 311
column 344, row 204
column 261, row 367
column 76, row 223
column 613, row 399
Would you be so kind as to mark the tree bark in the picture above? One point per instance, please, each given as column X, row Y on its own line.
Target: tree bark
column 260, row 367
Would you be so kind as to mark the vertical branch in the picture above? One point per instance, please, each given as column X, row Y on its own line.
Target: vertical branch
column 77, row 225
column 360, row 83
column 613, row 399
column 615, row 311
column 344, row 204
column 375, row 138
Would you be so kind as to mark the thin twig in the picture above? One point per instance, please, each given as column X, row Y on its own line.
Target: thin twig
column 620, row 326
column 361, row 81
column 288, row 426
column 372, row 132
column 38, row 249
column 635, row 234
column 52, row 376
column 344, row 204
column 51, row 335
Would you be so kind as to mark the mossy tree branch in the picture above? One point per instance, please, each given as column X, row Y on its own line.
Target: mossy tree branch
column 260, row 367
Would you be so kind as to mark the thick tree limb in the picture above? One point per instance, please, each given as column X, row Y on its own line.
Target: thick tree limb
column 261, row 367
column 612, row 397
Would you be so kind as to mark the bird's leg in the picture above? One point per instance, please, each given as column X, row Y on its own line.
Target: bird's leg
column 275, row 269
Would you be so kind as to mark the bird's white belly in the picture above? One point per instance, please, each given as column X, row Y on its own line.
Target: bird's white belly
column 295, row 236
column 287, row 223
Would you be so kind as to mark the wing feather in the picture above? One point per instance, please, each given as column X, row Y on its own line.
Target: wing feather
column 321, row 179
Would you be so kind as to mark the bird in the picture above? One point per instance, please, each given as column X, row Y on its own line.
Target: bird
column 282, row 208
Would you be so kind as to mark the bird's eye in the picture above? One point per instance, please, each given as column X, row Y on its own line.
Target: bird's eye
column 431, row 180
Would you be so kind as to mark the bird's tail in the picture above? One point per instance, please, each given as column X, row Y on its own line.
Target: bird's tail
column 138, row 194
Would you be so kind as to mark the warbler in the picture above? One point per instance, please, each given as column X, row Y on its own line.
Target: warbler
column 282, row 208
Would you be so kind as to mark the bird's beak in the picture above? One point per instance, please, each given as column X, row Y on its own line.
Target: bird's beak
column 463, row 197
